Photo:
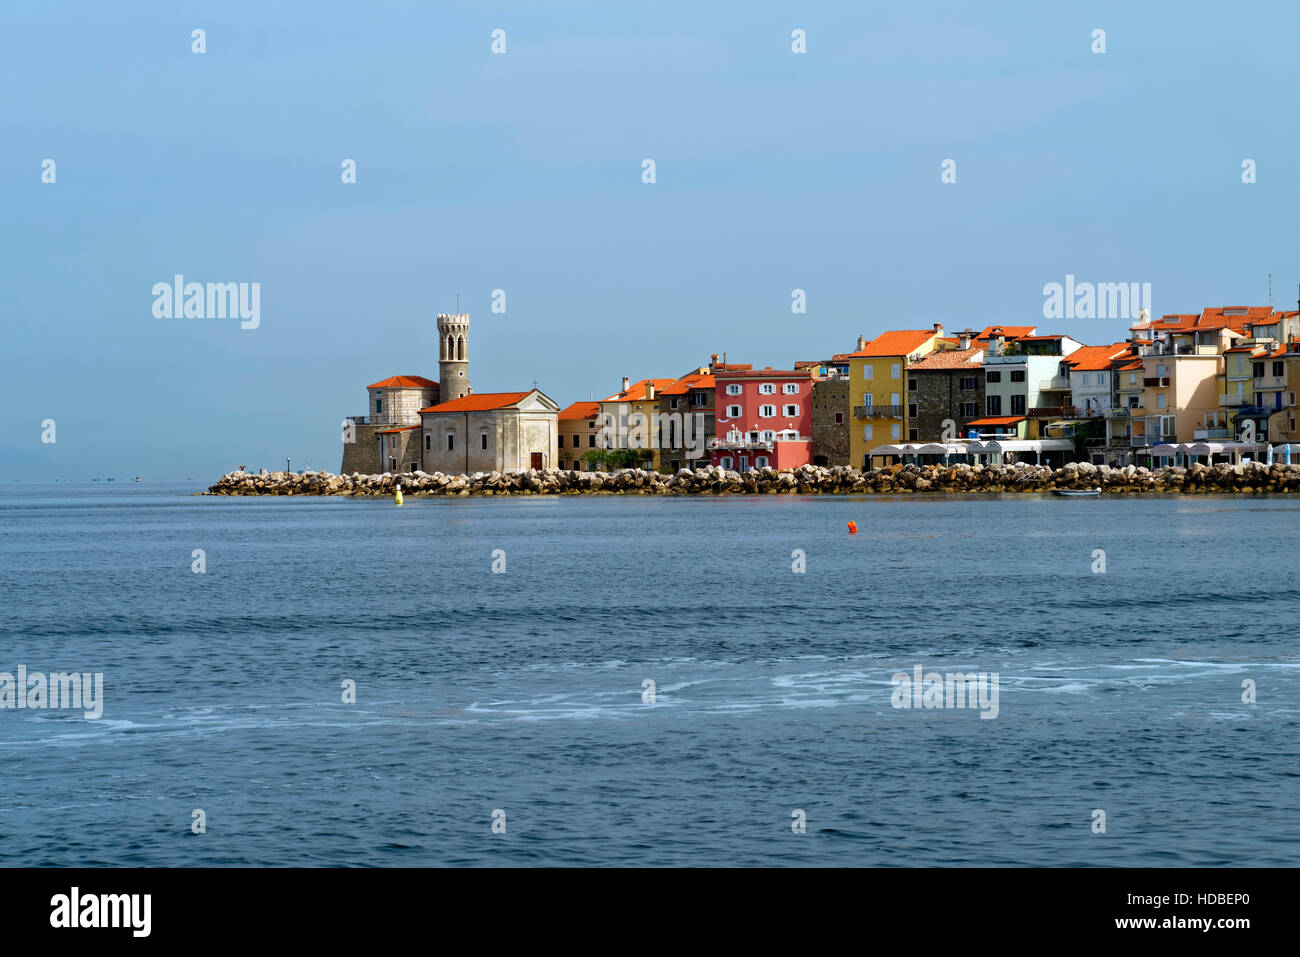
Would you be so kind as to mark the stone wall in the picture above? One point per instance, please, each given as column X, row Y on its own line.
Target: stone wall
column 938, row 395
column 362, row 454
column 830, row 438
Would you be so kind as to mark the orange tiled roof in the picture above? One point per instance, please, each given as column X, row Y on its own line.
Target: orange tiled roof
column 998, row 420
column 949, row 359
column 896, row 342
column 841, row 357
column 1009, row 332
column 405, row 428
column 580, row 410
column 1095, row 358
column 404, row 382
column 637, row 390
column 479, row 402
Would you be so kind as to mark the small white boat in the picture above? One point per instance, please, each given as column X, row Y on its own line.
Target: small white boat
column 1077, row 493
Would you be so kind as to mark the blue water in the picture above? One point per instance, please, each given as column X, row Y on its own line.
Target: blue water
column 522, row 691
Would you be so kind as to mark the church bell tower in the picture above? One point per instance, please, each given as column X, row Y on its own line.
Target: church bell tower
column 453, row 356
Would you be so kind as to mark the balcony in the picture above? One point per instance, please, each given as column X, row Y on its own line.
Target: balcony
column 1156, row 382
column 1054, row 384
column 1208, row 435
column 1117, row 413
column 747, row 444
column 1269, row 382
column 878, row 411
column 358, row 419
column 1231, row 400
column 1054, row 412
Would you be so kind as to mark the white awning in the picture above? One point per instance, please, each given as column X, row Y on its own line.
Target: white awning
column 1023, row 445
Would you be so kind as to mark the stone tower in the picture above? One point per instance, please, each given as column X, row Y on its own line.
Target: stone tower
column 453, row 356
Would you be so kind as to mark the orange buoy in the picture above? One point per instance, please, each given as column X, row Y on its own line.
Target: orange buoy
column 853, row 528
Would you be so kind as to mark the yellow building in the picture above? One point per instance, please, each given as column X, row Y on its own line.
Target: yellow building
column 878, row 388
column 629, row 419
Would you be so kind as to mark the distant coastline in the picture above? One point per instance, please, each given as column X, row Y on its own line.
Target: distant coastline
column 1250, row 478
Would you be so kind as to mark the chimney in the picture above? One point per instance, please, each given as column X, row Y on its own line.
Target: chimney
column 650, row 390
column 996, row 341
column 963, row 339
column 862, row 343
column 938, row 328
column 713, row 362
column 625, row 385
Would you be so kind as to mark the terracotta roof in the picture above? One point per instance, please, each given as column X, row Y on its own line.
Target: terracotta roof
column 810, row 364
column 637, row 390
column 404, row 382
column 841, row 357
column 698, row 380
column 580, row 410
column 1095, row 358
column 896, row 342
column 949, row 359
column 1010, row 332
column 998, row 420
column 765, row 374
column 479, row 402
column 1059, row 335
column 1132, row 366
column 405, row 428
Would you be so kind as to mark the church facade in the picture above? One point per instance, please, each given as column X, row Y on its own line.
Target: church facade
column 415, row 424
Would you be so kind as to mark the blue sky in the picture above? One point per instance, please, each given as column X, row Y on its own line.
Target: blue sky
column 522, row 172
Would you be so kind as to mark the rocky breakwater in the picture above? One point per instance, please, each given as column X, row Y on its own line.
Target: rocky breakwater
column 1252, row 477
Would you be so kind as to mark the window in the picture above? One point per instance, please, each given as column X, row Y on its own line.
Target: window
column 1083, row 379
column 766, row 388
column 726, row 461
column 672, row 403
column 767, row 412
column 559, row 441
column 733, row 411
column 482, row 441
column 839, row 416
column 733, row 388
column 379, row 405
column 1257, row 368
column 1277, row 369
column 428, row 443
column 591, row 441
column 1162, row 371
column 766, row 436
column 868, row 371
column 1290, row 398
column 968, row 410
column 895, row 430
column 790, row 388
column 791, row 411
column 993, row 405
column 1161, row 400
column 1132, row 378
column 1017, row 405
column 912, row 435
column 451, row 441
column 392, row 441
column 911, row 385
column 911, row 411
column 698, row 399
column 894, row 399
column 1101, row 378
column 760, row 461
column 896, row 371
column 993, row 376
column 967, row 382
column 1017, row 375
column 867, row 433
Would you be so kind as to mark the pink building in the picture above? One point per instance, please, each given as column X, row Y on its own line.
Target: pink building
column 764, row 417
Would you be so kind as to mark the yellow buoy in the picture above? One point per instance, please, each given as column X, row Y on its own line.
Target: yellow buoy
column 397, row 496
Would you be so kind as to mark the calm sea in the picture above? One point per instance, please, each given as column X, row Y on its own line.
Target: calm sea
column 523, row 692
